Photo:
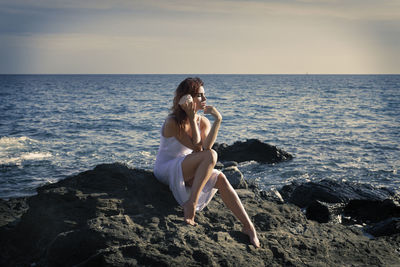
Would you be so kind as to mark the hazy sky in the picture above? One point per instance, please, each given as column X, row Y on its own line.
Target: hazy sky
column 203, row 36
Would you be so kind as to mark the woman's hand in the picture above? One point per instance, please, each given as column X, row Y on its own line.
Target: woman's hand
column 189, row 108
column 214, row 112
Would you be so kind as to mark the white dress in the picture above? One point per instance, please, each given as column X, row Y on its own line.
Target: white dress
column 168, row 170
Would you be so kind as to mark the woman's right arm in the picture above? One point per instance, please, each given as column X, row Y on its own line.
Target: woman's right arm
column 189, row 108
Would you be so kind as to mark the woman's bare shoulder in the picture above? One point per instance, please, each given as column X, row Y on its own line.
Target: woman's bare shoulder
column 170, row 127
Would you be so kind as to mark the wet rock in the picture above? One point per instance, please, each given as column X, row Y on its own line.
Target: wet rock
column 387, row 227
column 330, row 191
column 117, row 216
column 324, row 212
column 326, row 200
column 219, row 166
column 371, row 211
column 252, row 149
column 12, row 210
column 272, row 195
column 228, row 164
column 235, row 177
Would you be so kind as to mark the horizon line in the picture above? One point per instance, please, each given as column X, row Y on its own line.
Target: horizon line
column 199, row 74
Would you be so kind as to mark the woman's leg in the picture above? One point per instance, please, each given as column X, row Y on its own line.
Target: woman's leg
column 196, row 168
column 232, row 201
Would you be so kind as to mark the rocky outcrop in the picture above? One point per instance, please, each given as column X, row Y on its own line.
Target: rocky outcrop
column 331, row 191
column 232, row 173
column 235, row 177
column 387, row 227
column 371, row 211
column 117, row 216
column 270, row 195
column 12, row 210
column 252, row 149
column 350, row 203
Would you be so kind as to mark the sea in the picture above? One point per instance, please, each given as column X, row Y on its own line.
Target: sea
column 341, row 127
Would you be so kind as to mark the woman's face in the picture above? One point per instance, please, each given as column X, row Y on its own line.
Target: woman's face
column 199, row 99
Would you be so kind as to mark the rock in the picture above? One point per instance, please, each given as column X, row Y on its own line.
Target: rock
column 12, row 210
column 117, row 216
column 387, row 227
column 324, row 212
column 330, row 191
column 228, row 164
column 327, row 199
column 367, row 211
column 252, row 149
column 235, row 177
column 272, row 195
column 219, row 166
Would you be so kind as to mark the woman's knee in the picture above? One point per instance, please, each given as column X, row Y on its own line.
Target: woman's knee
column 211, row 155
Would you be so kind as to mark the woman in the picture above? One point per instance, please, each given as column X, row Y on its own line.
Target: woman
column 185, row 160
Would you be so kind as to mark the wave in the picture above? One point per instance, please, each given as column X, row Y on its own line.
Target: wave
column 30, row 156
column 15, row 140
column 16, row 150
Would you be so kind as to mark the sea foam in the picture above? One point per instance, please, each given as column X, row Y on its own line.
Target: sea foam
column 16, row 150
column 30, row 156
column 8, row 142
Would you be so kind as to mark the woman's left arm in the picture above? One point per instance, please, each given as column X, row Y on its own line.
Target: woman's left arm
column 209, row 134
column 196, row 137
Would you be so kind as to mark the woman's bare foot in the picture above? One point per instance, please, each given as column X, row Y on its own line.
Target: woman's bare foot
column 251, row 232
column 189, row 211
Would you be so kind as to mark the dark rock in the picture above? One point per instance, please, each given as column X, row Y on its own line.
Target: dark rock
column 367, row 211
column 117, row 216
column 266, row 222
column 327, row 199
column 272, row 195
column 252, row 149
column 228, row 164
column 331, row 191
column 387, row 227
column 324, row 212
column 235, row 177
column 11, row 210
column 219, row 166
column 319, row 212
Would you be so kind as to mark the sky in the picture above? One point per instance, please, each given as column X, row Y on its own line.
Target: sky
column 199, row 37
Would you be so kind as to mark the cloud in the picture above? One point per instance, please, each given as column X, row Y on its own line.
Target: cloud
column 23, row 16
column 223, row 36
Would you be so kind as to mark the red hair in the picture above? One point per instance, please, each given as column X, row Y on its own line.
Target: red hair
column 188, row 86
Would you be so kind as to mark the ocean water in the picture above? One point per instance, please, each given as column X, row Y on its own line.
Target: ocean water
column 343, row 127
